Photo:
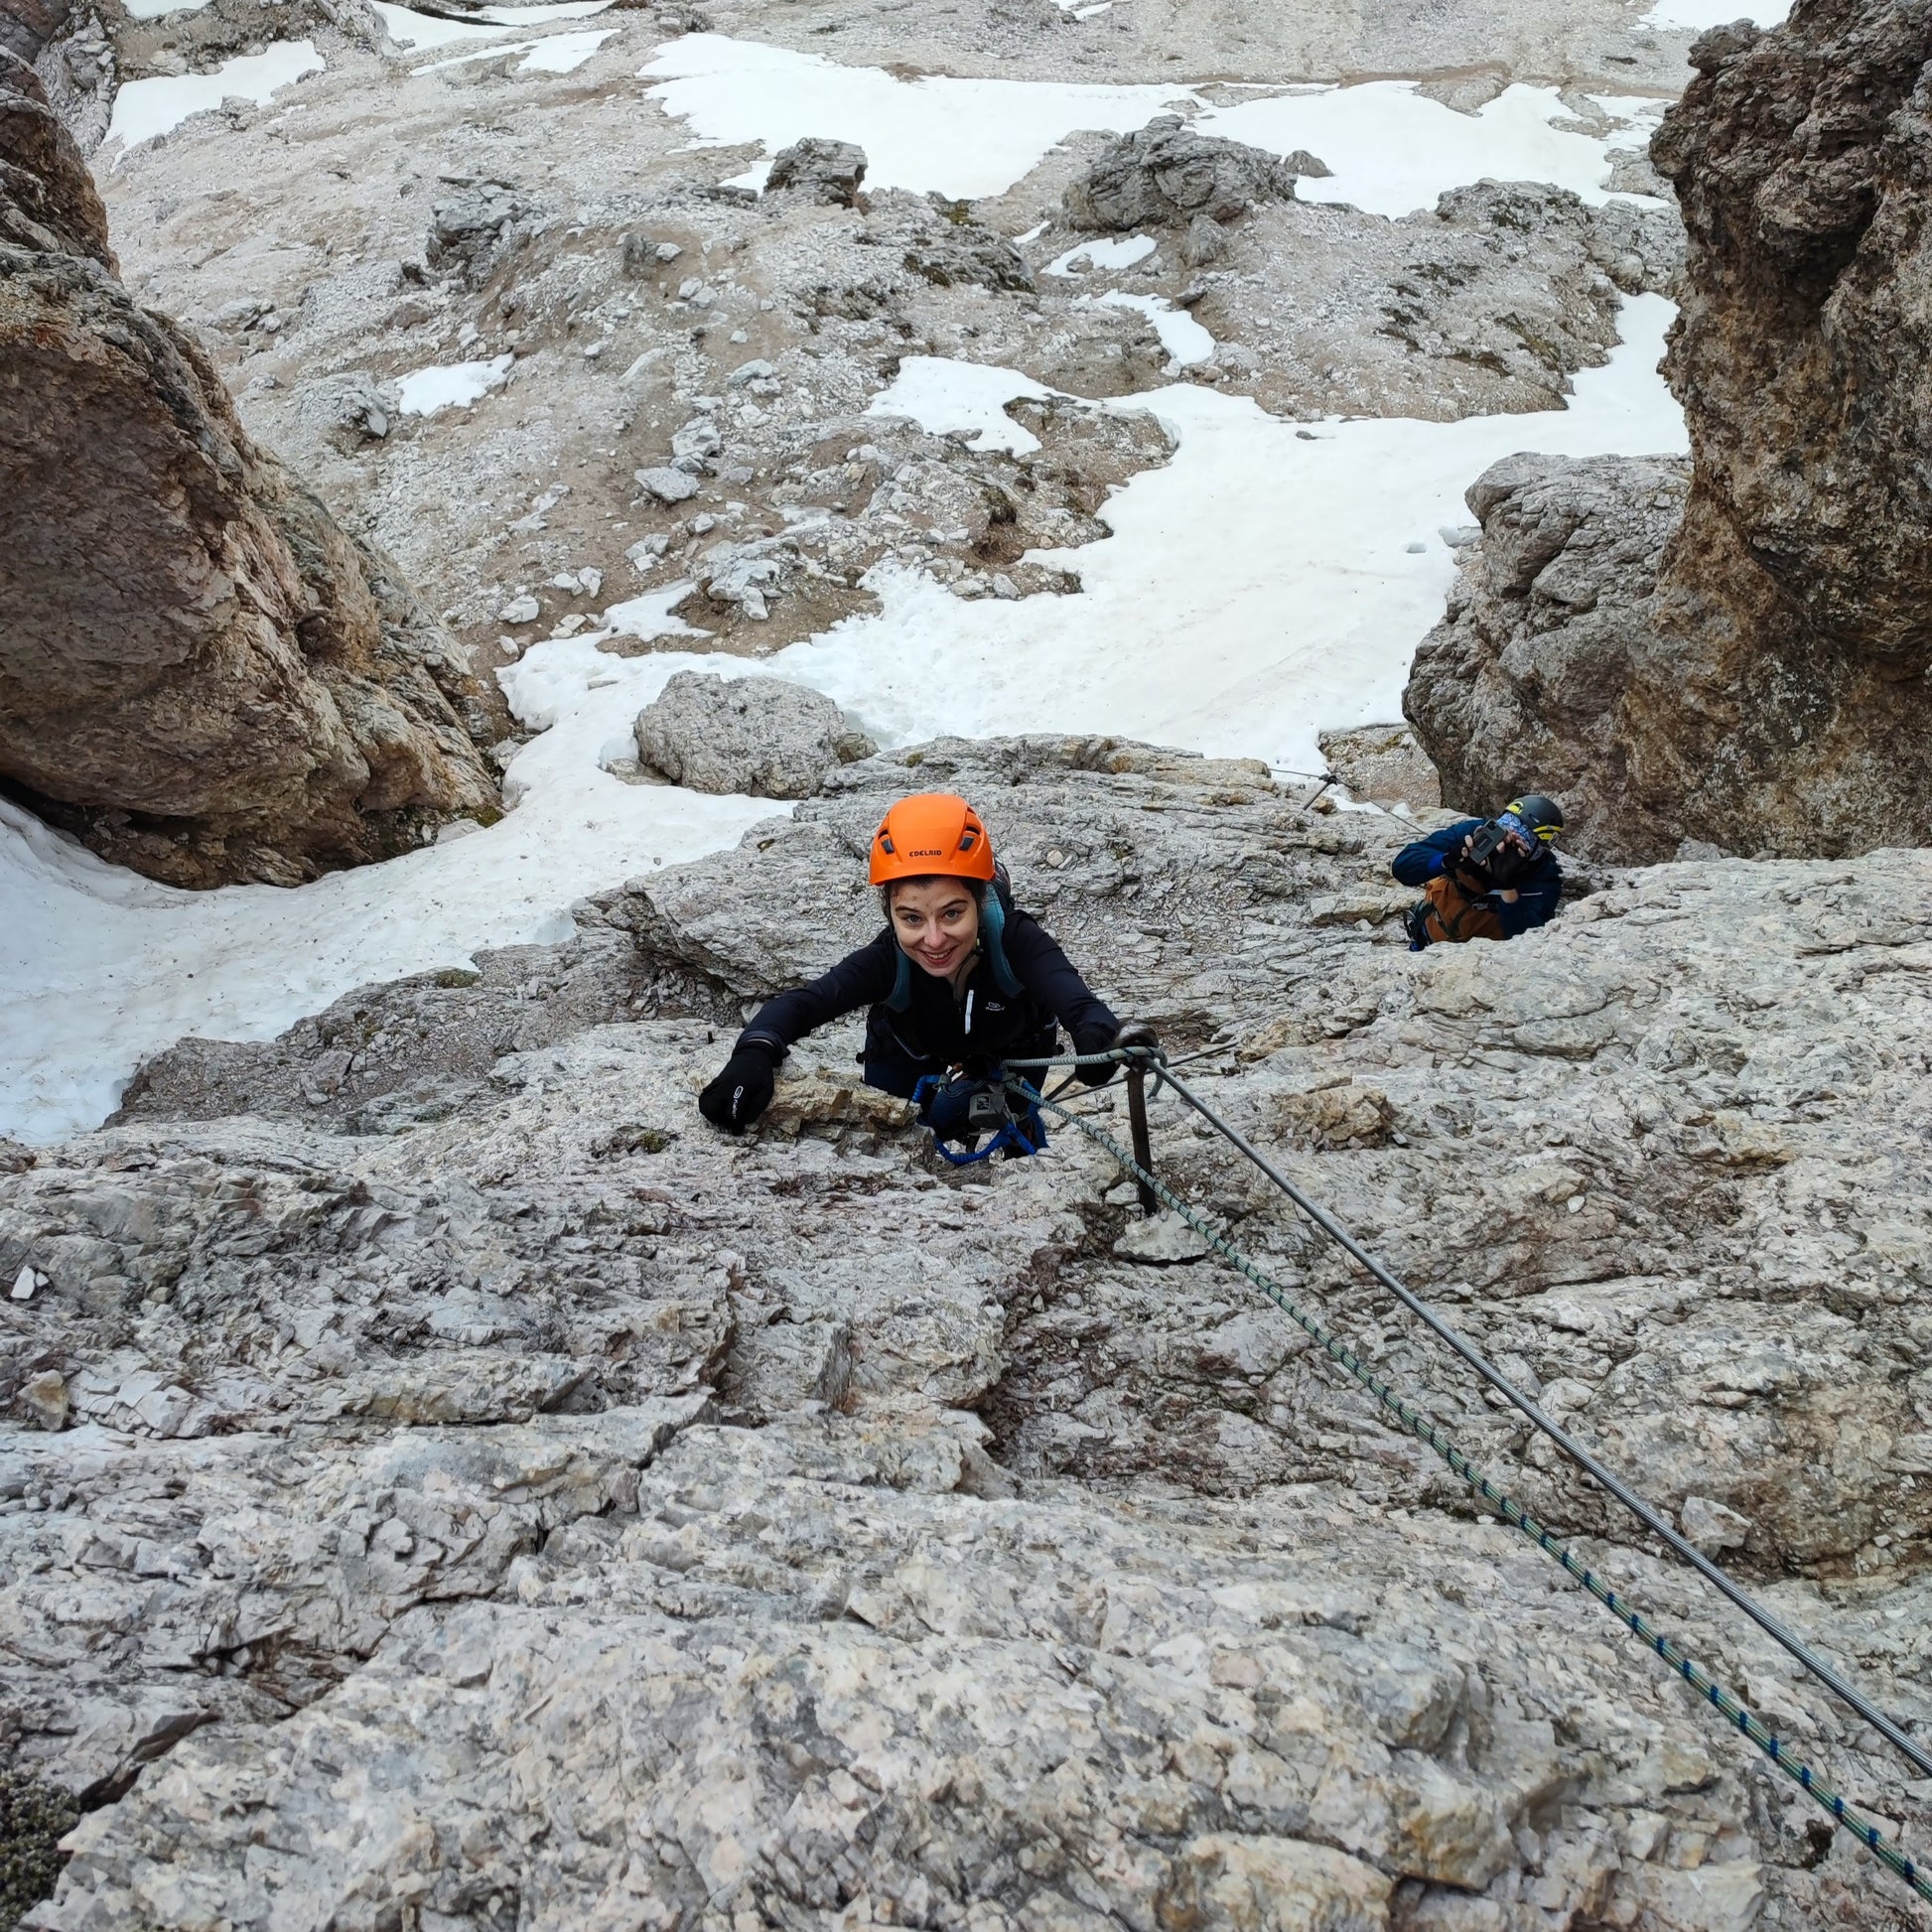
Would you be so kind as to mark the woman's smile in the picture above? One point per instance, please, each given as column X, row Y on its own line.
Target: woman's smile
column 938, row 954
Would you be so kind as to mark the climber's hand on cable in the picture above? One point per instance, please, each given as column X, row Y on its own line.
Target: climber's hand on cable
column 743, row 1092
column 1135, row 1032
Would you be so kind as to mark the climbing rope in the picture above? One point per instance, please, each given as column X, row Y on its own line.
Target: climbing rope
column 1418, row 1425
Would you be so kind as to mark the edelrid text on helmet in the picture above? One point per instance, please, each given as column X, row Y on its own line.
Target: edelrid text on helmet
column 933, row 832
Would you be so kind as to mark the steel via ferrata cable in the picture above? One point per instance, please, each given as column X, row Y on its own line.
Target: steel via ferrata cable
column 1420, row 1426
column 1607, row 1478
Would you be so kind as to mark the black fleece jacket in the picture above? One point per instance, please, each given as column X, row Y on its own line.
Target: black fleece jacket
column 934, row 1030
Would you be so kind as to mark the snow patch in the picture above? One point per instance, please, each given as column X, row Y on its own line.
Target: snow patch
column 564, row 53
column 407, row 28
column 1393, row 151
column 538, row 16
column 558, row 53
column 1636, row 116
column 936, row 134
column 1106, row 255
column 155, row 9
column 1258, row 587
column 649, row 615
column 424, row 392
column 1184, row 340
column 144, row 108
column 945, row 397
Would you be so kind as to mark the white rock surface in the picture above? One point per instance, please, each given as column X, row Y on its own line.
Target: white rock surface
column 488, row 1483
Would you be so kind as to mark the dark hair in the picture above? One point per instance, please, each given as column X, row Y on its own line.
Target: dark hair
column 886, row 892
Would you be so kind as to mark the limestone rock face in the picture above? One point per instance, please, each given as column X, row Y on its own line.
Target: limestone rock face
column 1789, row 605
column 757, row 735
column 1383, row 763
column 1549, row 672
column 471, row 1453
column 1164, row 174
column 200, row 673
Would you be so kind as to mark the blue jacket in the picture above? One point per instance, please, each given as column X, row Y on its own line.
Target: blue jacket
column 1538, row 886
column 1019, row 987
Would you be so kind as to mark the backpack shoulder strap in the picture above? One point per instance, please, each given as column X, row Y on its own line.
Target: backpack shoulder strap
column 992, row 927
column 900, row 997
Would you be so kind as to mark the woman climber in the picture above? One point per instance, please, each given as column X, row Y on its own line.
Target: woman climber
column 960, row 978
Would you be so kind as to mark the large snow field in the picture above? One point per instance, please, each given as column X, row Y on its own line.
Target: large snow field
column 1273, row 578
column 1392, row 150
column 1258, row 588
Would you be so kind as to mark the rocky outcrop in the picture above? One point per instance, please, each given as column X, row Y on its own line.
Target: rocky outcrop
column 1382, row 763
column 761, row 735
column 1164, row 174
column 201, row 673
column 476, row 229
column 832, row 172
column 476, row 1480
column 1550, row 671
column 47, row 199
column 1791, row 598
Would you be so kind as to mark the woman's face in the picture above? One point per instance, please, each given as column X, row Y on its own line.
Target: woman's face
column 937, row 923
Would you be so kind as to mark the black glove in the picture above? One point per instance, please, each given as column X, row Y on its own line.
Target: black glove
column 743, row 1092
column 1135, row 1033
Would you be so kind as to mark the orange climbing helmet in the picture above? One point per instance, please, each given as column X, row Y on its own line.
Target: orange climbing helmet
column 933, row 832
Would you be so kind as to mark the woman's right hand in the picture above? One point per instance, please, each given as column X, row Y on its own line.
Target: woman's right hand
column 741, row 1092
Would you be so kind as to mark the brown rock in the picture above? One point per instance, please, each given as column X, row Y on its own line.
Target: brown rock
column 201, row 675
column 1769, row 693
column 47, row 198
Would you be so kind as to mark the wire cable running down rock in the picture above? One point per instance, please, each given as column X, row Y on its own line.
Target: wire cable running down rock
column 1418, row 1425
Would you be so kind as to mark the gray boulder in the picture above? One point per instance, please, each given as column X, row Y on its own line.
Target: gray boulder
column 828, row 170
column 667, row 483
column 476, row 227
column 1164, row 174
column 757, row 735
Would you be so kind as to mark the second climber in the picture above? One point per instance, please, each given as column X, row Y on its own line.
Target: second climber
column 1484, row 879
column 959, row 980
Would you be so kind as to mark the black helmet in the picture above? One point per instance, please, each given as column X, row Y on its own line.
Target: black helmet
column 1541, row 818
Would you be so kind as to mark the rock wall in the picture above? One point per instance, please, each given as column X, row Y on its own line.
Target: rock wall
column 434, row 1466
column 1550, row 671
column 1790, row 602
column 201, row 673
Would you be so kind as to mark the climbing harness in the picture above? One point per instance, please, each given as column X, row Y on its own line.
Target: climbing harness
column 963, row 1109
column 1418, row 1425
